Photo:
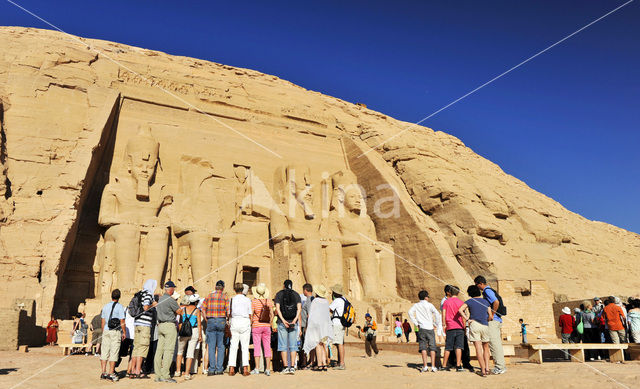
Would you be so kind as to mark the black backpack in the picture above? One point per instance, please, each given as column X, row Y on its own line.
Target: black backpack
column 289, row 306
column 135, row 305
column 502, row 309
column 185, row 329
column 113, row 323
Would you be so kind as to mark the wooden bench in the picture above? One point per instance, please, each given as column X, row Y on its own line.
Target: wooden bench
column 67, row 347
column 576, row 350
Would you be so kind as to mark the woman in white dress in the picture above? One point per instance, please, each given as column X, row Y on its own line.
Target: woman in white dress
column 319, row 327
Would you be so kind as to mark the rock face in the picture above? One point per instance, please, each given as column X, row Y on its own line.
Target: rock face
column 71, row 108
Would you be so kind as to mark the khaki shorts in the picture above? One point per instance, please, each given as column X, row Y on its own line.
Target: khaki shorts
column 478, row 332
column 141, row 341
column 188, row 342
column 110, row 345
column 338, row 334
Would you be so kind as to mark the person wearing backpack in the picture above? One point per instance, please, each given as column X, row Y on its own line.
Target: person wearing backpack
column 338, row 307
column 141, row 308
column 113, row 331
column 262, row 307
column 495, row 325
column 288, row 308
column 189, row 333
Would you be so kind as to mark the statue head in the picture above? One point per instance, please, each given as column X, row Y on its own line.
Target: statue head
column 141, row 156
column 240, row 173
column 353, row 199
column 346, row 192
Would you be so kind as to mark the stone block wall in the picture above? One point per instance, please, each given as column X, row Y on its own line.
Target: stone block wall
column 533, row 303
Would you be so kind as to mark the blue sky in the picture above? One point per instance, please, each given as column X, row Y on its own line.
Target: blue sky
column 566, row 123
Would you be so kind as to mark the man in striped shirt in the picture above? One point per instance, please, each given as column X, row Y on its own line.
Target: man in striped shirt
column 214, row 308
column 142, row 324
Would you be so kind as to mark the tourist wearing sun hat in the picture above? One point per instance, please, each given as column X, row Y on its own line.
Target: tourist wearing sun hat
column 261, row 326
column 566, row 322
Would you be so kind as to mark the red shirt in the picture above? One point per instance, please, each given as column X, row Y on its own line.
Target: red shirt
column 566, row 323
column 452, row 317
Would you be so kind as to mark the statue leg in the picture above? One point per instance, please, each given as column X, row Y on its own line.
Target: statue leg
column 368, row 272
column 200, row 243
column 156, row 256
column 387, row 266
column 228, row 254
column 126, row 249
column 335, row 264
column 312, row 261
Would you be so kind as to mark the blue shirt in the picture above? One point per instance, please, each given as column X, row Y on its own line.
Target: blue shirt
column 490, row 295
column 478, row 310
column 118, row 313
column 524, row 328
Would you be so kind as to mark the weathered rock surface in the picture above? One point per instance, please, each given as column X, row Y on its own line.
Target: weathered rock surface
column 457, row 214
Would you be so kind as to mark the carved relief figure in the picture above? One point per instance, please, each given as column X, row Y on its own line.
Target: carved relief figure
column 294, row 219
column 349, row 223
column 132, row 205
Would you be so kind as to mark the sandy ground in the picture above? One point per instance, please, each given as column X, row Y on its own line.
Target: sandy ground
column 46, row 368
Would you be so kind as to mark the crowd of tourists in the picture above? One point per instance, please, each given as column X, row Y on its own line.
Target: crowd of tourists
column 477, row 320
column 598, row 321
column 162, row 335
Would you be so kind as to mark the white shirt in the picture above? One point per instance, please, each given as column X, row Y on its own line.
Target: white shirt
column 129, row 325
column 241, row 306
column 423, row 314
column 337, row 307
column 442, row 302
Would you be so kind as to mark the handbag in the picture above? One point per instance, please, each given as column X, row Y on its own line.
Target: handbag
column 114, row 323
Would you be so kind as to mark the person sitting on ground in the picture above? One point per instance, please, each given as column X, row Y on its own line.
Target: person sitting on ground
column 240, row 313
column 370, row 329
column 262, row 308
column 453, row 325
column 426, row 317
column 319, row 327
column 478, row 317
column 113, row 332
column 190, row 314
column 288, row 308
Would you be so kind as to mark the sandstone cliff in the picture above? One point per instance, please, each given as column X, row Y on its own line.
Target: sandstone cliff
column 458, row 214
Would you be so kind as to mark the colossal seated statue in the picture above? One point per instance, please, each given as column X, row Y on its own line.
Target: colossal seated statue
column 349, row 224
column 293, row 220
column 131, row 206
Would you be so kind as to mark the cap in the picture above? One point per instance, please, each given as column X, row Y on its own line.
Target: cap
column 169, row 284
column 288, row 284
column 596, row 298
column 220, row 283
column 190, row 288
column 367, row 314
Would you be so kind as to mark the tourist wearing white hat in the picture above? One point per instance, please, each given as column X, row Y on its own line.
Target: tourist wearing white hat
column 566, row 323
column 190, row 315
column 262, row 307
